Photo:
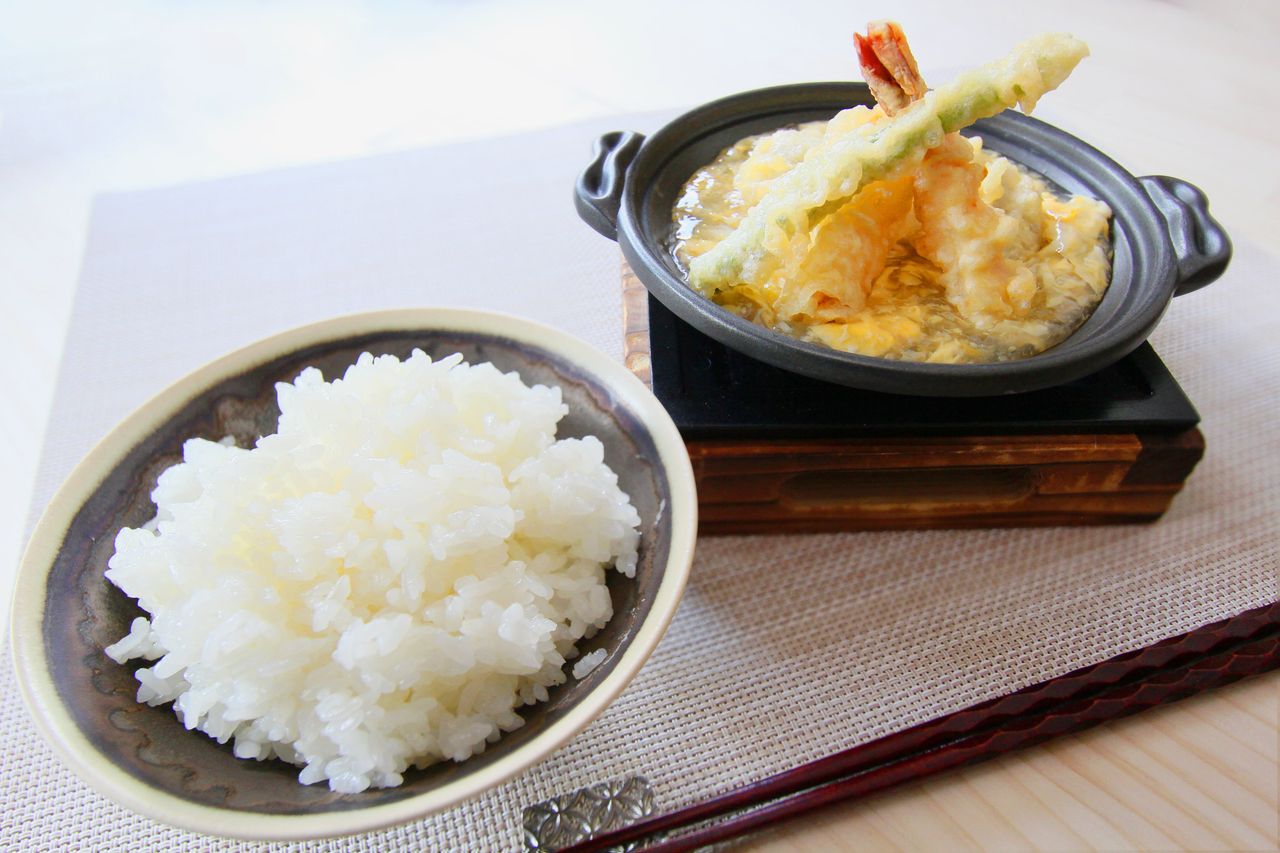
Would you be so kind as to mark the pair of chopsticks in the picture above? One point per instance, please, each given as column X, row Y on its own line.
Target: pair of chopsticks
column 1210, row 656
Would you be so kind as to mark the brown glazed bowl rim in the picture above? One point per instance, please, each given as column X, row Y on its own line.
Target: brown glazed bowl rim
column 79, row 753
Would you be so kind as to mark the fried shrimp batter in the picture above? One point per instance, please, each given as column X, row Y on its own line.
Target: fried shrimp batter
column 926, row 247
column 976, row 246
column 850, row 250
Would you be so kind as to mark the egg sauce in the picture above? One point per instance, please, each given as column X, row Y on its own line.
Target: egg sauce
column 874, row 280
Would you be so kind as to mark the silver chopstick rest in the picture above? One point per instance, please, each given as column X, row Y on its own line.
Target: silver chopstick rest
column 577, row 816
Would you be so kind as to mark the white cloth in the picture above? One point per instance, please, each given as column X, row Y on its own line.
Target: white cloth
column 859, row 635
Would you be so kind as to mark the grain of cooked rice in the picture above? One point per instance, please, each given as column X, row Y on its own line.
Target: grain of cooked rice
column 587, row 663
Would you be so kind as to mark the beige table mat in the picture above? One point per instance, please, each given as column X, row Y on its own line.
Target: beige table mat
column 784, row 649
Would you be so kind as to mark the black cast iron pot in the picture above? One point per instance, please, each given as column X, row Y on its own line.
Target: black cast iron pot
column 1165, row 243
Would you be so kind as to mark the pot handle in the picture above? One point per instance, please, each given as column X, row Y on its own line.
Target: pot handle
column 598, row 192
column 1202, row 246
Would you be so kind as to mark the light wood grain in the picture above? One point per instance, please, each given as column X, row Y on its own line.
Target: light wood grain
column 635, row 326
column 1200, row 774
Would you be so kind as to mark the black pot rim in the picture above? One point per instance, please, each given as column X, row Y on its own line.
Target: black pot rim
column 1147, row 265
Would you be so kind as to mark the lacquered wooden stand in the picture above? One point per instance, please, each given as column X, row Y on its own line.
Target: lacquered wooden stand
column 780, row 475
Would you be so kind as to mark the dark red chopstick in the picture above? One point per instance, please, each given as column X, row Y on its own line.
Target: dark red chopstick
column 1131, row 698
column 1172, row 669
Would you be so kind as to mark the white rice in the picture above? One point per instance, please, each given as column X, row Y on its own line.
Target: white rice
column 588, row 663
column 385, row 580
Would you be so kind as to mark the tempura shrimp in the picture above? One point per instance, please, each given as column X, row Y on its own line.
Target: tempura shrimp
column 884, row 232
column 834, row 171
column 970, row 241
column 959, row 231
column 849, row 250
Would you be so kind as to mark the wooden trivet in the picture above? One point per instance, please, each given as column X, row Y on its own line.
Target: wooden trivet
column 805, row 484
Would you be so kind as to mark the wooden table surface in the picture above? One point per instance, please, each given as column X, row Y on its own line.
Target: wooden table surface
column 1200, row 775
column 128, row 95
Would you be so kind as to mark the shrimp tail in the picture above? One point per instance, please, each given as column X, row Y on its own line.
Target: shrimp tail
column 888, row 66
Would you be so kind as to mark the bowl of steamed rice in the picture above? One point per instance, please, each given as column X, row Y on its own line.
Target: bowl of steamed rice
column 354, row 574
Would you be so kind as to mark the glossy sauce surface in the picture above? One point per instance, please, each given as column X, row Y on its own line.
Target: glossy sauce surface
column 970, row 258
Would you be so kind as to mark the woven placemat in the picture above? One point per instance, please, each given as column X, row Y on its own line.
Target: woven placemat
column 785, row 648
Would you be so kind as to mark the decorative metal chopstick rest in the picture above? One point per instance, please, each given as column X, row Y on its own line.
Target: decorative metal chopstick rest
column 578, row 816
